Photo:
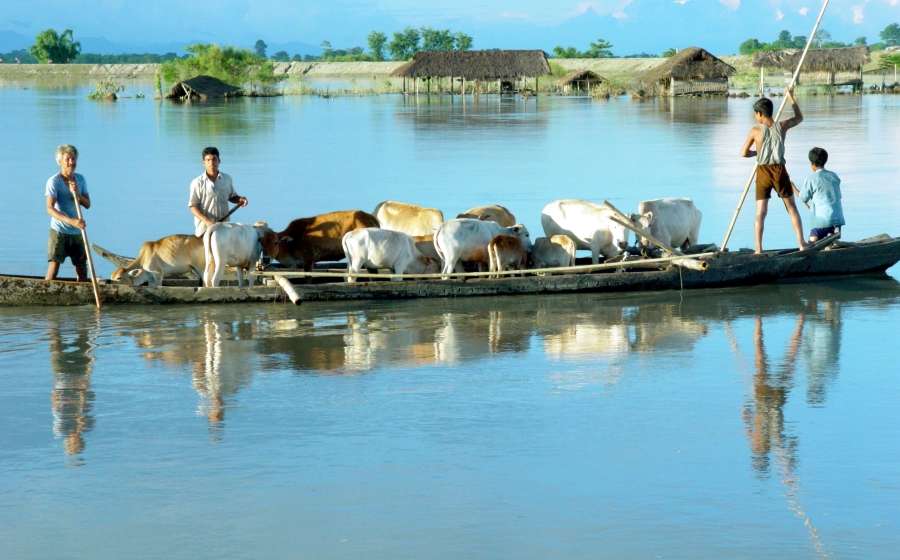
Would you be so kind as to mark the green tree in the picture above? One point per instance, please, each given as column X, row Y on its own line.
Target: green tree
column 784, row 40
column 860, row 41
column 281, row 56
column 463, row 42
column 377, row 41
column 326, row 49
column 52, row 47
column 599, row 49
column 260, row 48
column 668, row 53
column 235, row 66
column 891, row 35
column 405, row 44
column 436, row 39
column 750, row 46
column 822, row 37
column 798, row 42
column 566, row 52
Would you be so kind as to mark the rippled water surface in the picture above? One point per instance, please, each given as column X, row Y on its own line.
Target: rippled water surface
column 740, row 423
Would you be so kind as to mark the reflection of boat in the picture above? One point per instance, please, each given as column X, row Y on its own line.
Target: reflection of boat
column 724, row 269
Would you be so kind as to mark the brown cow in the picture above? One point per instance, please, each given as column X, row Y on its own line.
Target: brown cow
column 173, row 254
column 492, row 213
column 308, row 240
column 507, row 252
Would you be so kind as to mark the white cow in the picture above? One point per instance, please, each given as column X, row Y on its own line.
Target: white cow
column 558, row 250
column 410, row 219
column 466, row 239
column 237, row 245
column 587, row 224
column 674, row 221
column 381, row 248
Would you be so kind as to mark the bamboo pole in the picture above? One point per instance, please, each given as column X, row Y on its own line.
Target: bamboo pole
column 464, row 275
column 794, row 78
column 87, row 250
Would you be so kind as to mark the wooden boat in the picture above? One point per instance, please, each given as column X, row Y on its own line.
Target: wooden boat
column 827, row 258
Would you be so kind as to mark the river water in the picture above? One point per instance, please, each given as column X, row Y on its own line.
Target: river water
column 735, row 423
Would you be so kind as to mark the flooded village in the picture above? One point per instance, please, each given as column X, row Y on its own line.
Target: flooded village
column 404, row 302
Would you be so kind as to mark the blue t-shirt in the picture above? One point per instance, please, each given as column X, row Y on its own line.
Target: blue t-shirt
column 65, row 203
column 822, row 191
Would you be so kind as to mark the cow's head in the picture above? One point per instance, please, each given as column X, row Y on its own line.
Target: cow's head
column 619, row 235
column 645, row 221
column 119, row 276
column 425, row 265
column 521, row 232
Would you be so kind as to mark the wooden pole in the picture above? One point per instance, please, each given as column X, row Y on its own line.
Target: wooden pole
column 762, row 80
column 87, row 250
column 288, row 288
column 737, row 211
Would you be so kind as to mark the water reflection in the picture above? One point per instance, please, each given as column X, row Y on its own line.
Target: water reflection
column 71, row 350
column 219, row 118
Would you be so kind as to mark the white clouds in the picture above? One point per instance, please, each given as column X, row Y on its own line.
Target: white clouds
column 858, row 14
column 731, row 4
column 803, row 11
column 612, row 8
column 680, row 2
column 779, row 15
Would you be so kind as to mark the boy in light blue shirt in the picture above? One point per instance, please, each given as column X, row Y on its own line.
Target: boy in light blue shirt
column 821, row 193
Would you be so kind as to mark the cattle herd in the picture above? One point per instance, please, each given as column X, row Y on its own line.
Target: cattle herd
column 407, row 238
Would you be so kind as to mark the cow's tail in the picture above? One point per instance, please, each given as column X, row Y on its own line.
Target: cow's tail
column 346, row 246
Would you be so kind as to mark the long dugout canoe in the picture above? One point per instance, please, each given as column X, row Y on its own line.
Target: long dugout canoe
column 725, row 269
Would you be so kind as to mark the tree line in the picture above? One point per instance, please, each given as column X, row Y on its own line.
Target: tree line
column 890, row 37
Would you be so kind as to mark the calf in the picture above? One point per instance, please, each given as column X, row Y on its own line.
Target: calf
column 173, row 254
column 557, row 251
column 674, row 221
column 318, row 238
column 381, row 248
column 237, row 245
column 507, row 252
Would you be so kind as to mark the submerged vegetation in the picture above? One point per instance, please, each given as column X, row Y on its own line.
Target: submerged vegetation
column 106, row 90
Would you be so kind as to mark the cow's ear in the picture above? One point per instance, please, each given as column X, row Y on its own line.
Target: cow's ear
column 134, row 273
column 649, row 217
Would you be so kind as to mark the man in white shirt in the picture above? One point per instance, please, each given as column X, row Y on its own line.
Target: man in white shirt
column 210, row 193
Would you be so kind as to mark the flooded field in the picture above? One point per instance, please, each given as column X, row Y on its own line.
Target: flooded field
column 739, row 423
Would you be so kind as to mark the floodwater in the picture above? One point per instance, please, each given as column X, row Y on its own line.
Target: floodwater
column 739, row 423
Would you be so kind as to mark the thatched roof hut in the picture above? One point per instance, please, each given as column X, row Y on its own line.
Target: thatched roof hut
column 492, row 64
column 691, row 70
column 202, row 88
column 577, row 78
column 847, row 59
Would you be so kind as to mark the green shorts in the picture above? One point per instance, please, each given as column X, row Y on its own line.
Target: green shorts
column 62, row 245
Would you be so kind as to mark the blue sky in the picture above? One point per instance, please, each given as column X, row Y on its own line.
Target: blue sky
column 631, row 25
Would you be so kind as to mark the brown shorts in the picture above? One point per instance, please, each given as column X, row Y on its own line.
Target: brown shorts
column 62, row 245
column 769, row 177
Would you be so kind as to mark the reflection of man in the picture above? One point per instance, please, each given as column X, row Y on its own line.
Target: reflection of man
column 765, row 419
column 211, row 192
column 71, row 398
column 60, row 192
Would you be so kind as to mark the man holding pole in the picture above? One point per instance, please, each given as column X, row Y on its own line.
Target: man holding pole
column 61, row 191
column 767, row 136
column 210, row 194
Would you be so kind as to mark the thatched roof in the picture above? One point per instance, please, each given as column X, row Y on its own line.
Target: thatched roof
column 580, row 76
column 847, row 59
column 476, row 65
column 203, row 87
column 692, row 63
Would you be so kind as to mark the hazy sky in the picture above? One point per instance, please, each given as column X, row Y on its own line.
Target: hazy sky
column 631, row 25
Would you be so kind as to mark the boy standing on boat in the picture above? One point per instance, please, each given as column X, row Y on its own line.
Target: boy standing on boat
column 210, row 193
column 767, row 136
column 60, row 192
column 822, row 193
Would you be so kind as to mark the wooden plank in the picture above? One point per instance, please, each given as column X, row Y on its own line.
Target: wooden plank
column 288, row 288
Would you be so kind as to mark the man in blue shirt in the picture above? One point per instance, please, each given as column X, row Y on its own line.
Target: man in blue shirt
column 61, row 191
column 821, row 192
